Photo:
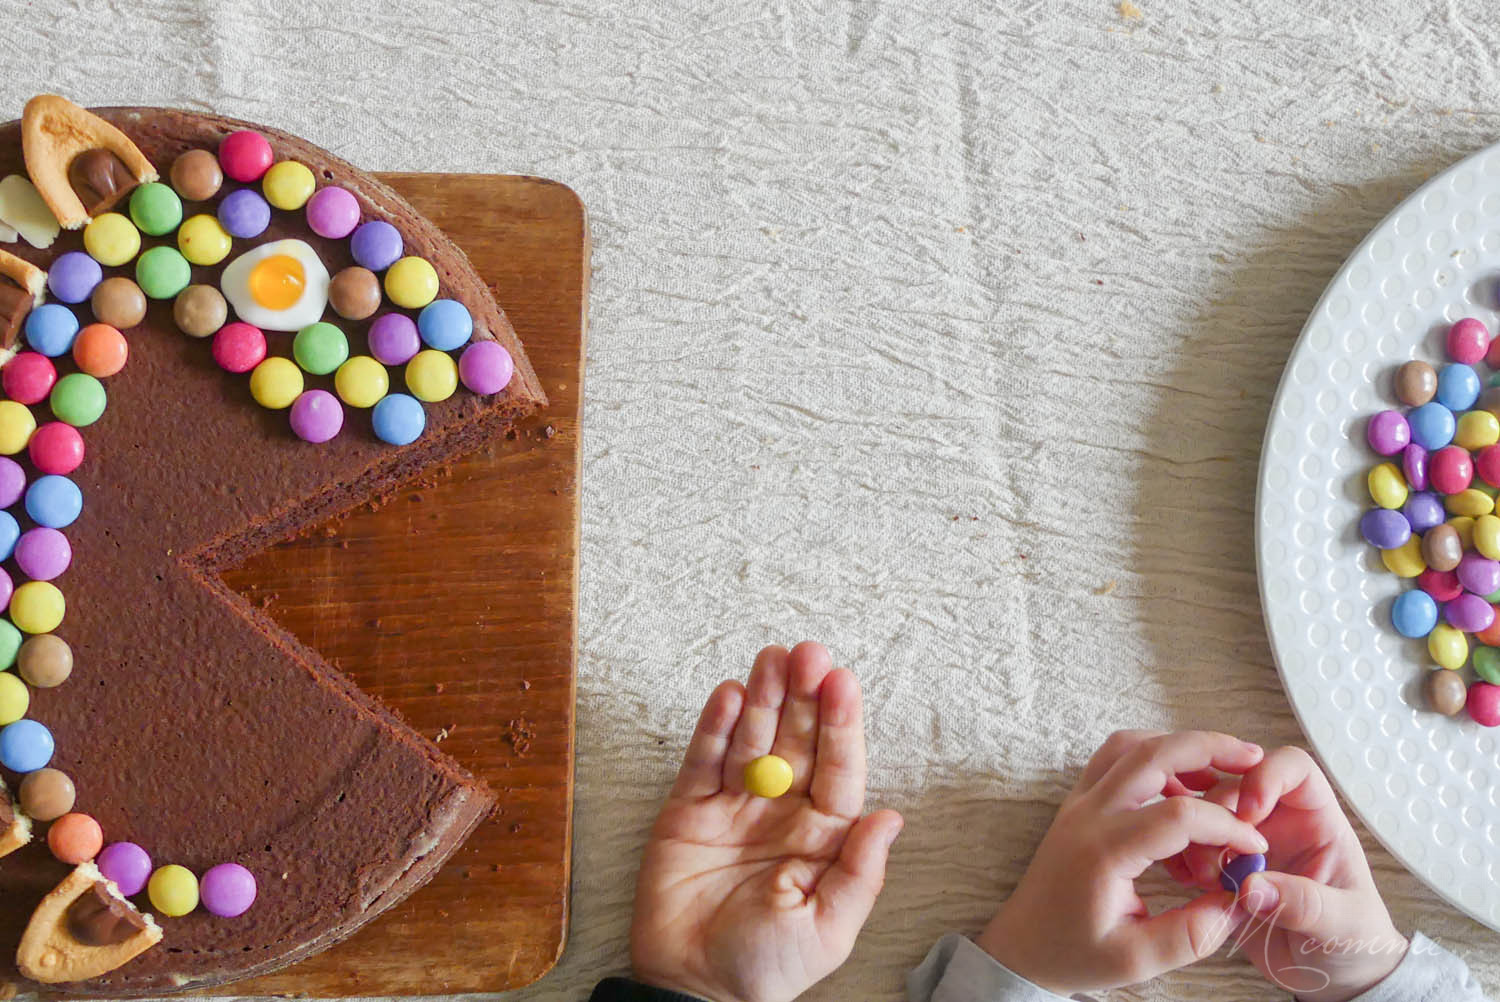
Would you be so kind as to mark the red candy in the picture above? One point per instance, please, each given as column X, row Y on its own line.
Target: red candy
column 1443, row 586
column 245, row 155
column 1450, row 470
column 239, row 347
column 1468, row 341
column 1487, row 465
column 56, row 447
column 28, row 378
column 1484, row 703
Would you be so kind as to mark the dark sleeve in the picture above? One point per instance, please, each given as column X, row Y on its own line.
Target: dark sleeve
column 625, row 990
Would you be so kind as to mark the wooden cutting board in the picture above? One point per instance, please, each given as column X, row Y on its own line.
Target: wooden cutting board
column 455, row 602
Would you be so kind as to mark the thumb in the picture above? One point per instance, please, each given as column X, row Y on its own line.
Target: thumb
column 1183, row 935
column 848, row 889
column 1298, row 904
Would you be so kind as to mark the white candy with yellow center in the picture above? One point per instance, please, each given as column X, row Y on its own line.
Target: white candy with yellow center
column 279, row 286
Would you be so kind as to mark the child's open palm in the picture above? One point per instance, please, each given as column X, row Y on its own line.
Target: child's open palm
column 744, row 899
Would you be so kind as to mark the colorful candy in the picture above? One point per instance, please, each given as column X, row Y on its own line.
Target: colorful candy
column 1483, row 704
column 79, row 399
column 393, row 339
column 1382, row 528
column 320, row 348
column 288, row 185
column 1471, row 502
column 1447, row 645
column 196, row 176
column 162, row 272
column 75, row 838
column 433, row 376
column 203, row 240
column 1450, row 470
column 1416, row 383
column 57, row 447
column 238, row 347
column 28, row 377
column 228, row 890
column 362, row 382
column 118, row 302
column 377, row 245
column 1238, row 870
column 200, row 310
column 1468, row 341
column 10, row 643
column 37, row 607
column 173, row 889
column 1431, row 425
column 47, row 794
column 354, row 293
column 485, row 367
column 445, row 324
column 25, row 746
column 155, row 209
column 127, row 864
column 43, row 553
column 1386, row 483
column 1458, row 386
column 317, row 416
column 275, row 383
column 333, row 213
column 73, row 276
column 1414, row 613
column 1388, row 433
column 99, row 350
column 1445, row 691
column 14, row 698
column 1423, row 510
column 45, row 660
column 16, row 426
column 398, row 419
column 1476, row 430
column 244, row 214
column 12, row 482
column 1487, row 664
column 245, row 156
column 768, row 776
column 51, row 328
column 10, row 533
column 411, row 283
column 55, row 502
column 1469, row 613
column 111, row 239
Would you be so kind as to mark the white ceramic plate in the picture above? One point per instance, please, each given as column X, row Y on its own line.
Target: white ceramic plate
column 1427, row 786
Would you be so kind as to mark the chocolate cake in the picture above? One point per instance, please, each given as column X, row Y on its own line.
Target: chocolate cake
column 192, row 724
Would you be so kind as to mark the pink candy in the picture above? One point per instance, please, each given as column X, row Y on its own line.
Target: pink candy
column 245, row 155
column 56, row 447
column 1484, row 703
column 239, row 347
column 1468, row 341
column 1450, row 470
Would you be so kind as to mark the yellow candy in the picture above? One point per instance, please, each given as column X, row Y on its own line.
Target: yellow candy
column 37, row 607
column 203, row 240
column 1479, row 485
column 1476, row 430
column 14, row 699
column 768, row 776
column 1448, row 647
column 1487, row 536
column 173, row 890
column 1405, row 561
column 288, row 185
column 16, row 426
column 276, row 382
column 1387, row 486
column 411, row 283
column 111, row 239
column 1471, row 502
column 361, row 381
column 432, row 375
column 1464, row 526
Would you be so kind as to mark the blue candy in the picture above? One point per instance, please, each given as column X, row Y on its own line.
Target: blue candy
column 445, row 324
column 53, row 501
column 398, row 419
column 1414, row 613
column 1458, row 386
column 25, row 746
column 51, row 328
column 10, row 531
column 1432, row 425
column 1423, row 510
column 1238, row 870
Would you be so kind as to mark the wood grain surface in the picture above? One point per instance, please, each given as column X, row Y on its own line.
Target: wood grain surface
column 454, row 601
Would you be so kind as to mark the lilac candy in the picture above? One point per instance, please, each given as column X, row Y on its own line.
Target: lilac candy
column 1414, row 465
column 1388, row 433
column 394, row 339
column 1478, row 574
column 6, row 590
column 1469, row 613
column 376, row 245
column 317, row 416
column 127, row 864
column 333, row 213
column 43, row 554
column 1423, row 510
column 486, row 367
column 12, row 481
column 1235, row 872
column 1382, row 528
column 73, row 276
column 227, row 890
column 244, row 213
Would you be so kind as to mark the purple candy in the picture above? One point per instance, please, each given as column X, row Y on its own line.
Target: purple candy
column 73, row 276
column 1414, row 465
column 332, row 213
column 1382, row 528
column 394, row 338
column 317, row 416
column 1423, row 510
column 1469, row 613
column 227, row 890
column 1479, row 575
column 43, row 554
column 12, row 481
column 127, row 864
column 1238, row 870
column 244, row 213
column 376, row 245
column 486, row 367
column 1388, row 433
column 6, row 589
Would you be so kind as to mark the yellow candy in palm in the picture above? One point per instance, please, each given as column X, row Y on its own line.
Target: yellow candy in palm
column 768, row 776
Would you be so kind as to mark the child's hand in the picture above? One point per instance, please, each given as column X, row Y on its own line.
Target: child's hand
column 1319, row 928
column 743, row 899
column 1075, row 922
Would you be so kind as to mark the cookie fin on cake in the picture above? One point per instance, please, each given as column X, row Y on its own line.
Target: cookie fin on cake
column 71, row 152
column 83, row 928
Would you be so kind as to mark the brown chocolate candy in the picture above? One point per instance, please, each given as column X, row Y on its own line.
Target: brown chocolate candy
column 1445, row 691
column 100, row 180
column 118, row 302
column 47, row 794
column 98, row 918
column 1442, row 548
column 196, row 175
column 1416, row 383
column 15, row 304
column 45, row 660
column 200, row 310
column 354, row 293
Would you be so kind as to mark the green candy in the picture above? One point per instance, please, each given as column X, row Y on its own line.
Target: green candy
column 78, row 399
column 10, row 643
column 1493, row 597
column 162, row 272
column 155, row 209
column 1487, row 664
column 320, row 348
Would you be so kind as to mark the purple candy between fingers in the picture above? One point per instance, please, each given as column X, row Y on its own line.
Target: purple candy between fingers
column 1414, row 465
column 127, row 864
column 1388, row 433
column 227, row 890
column 1238, row 870
column 1478, row 574
column 1384, row 529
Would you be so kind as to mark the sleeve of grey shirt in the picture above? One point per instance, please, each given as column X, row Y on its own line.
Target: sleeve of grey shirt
column 1428, row 973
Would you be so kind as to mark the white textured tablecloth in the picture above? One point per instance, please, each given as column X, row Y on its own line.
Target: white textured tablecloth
column 943, row 333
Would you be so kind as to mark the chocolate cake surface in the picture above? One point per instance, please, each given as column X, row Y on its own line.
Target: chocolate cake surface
column 192, row 724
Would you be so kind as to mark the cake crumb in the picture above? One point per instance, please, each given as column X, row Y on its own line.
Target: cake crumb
column 1130, row 11
column 515, row 829
column 437, row 687
column 520, row 733
column 549, row 431
column 1106, row 588
column 525, row 684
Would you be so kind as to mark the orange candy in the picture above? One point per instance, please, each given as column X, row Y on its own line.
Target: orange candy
column 75, row 838
column 1490, row 635
column 100, row 350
